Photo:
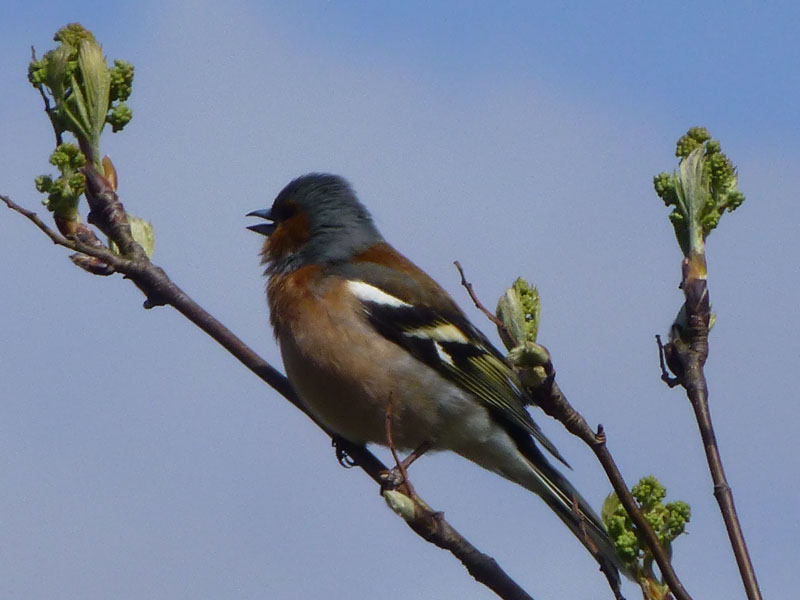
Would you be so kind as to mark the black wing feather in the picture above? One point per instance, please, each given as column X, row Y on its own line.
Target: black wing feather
column 475, row 365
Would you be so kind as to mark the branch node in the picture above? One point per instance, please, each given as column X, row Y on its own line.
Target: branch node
column 107, row 212
column 154, row 301
column 600, row 436
column 93, row 265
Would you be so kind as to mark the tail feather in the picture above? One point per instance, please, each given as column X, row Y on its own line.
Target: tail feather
column 576, row 514
column 513, row 454
column 562, row 497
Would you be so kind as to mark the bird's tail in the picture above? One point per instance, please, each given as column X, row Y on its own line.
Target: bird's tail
column 561, row 496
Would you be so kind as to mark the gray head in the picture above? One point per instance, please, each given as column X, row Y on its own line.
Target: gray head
column 317, row 219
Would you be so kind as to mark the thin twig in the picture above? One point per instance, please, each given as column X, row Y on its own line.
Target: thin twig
column 160, row 290
column 478, row 304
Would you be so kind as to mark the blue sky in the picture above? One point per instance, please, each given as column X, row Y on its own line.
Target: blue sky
column 140, row 461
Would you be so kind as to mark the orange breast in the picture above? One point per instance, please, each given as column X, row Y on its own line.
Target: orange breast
column 343, row 370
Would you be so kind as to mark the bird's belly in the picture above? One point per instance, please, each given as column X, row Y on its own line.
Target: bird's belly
column 424, row 406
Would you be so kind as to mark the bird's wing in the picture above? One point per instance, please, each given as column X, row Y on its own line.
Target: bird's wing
column 435, row 331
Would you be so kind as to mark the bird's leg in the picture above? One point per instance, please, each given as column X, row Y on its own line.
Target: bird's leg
column 419, row 451
column 398, row 475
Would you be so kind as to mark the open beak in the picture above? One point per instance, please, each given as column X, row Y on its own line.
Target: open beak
column 262, row 228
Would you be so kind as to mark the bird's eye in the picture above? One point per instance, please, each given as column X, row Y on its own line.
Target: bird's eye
column 283, row 211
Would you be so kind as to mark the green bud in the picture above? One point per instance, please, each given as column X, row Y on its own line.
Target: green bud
column 67, row 157
column 709, row 221
column 519, row 310
column 656, row 515
column 693, row 139
column 37, row 72
column 679, row 515
column 73, row 34
column 121, row 80
column 62, row 199
column 713, row 147
column 621, row 530
column 664, row 184
column 77, row 182
column 43, row 183
column 119, row 116
column 616, row 524
column 648, row 491
column 721, row 171
column 627, row 546
column 735, row 199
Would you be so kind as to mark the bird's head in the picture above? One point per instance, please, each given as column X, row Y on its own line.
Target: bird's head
column 316, row 219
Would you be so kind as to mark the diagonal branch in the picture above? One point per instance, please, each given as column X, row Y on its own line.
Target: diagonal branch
column 160, row 290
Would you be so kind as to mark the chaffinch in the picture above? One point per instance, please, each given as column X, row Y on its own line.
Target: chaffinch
column 360, row 325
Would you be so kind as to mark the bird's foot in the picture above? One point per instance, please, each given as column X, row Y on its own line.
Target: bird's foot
column 342, row 456
column 391, row 479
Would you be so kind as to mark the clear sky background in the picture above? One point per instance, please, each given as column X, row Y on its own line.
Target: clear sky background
column 139, row 460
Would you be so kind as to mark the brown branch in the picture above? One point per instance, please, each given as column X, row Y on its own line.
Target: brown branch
column 687, row 357
column 159, row 290
column 433, row 528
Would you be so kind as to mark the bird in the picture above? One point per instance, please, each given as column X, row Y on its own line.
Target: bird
column 361, row 328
